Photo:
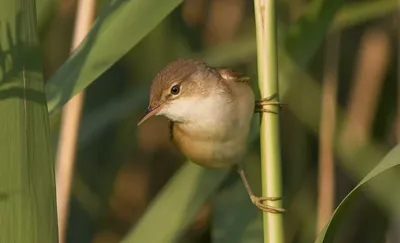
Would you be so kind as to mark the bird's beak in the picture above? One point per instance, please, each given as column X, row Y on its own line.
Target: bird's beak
column 149, row 113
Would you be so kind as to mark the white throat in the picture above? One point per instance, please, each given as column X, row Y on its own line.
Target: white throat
column 196, row 109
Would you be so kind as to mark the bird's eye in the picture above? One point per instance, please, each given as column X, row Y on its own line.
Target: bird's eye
column 175, row 89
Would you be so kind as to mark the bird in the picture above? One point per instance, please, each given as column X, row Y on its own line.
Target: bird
column 209, row 111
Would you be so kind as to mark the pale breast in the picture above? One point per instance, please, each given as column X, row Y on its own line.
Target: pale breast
column 220, row 138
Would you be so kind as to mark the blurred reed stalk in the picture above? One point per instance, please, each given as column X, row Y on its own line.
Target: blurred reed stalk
column 269, row 131
column 326, row 174
column 70, row 124
column 364, row 96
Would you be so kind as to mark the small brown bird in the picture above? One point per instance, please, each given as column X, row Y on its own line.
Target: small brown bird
column 210, row 111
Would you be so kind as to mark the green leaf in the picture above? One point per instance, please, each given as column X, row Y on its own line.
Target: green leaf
column 119, row 27
column 381, row 179
column 176, row 205
column 27, row 187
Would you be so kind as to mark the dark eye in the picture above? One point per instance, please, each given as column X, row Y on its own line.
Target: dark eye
column 175, row 89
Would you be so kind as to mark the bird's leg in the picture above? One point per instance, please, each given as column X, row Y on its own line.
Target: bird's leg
column 258, row 201
column 260, row 104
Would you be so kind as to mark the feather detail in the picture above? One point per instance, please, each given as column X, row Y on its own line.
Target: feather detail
column 228, row 74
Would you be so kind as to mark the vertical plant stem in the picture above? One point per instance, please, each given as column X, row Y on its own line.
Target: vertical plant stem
column 326, row 181
column 70, row 125
column 270, row 148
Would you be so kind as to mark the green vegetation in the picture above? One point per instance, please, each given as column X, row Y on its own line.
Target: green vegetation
column 27, row 190
column 130, row 185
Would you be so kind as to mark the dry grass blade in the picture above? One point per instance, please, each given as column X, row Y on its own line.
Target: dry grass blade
column 70, row 125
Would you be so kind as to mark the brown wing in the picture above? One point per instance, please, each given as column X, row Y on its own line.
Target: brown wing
column 228, row 74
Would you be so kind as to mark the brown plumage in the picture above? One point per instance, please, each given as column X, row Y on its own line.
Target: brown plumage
column 210, row 111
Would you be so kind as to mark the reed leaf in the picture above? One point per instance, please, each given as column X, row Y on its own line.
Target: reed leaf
column 176, row 205
column 381, row 184
column 27, row 188
column 119, row 27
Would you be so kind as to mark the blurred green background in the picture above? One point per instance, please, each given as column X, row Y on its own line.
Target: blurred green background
column 131, row 181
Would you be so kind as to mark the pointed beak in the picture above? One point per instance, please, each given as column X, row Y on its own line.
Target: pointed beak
column 149, row 113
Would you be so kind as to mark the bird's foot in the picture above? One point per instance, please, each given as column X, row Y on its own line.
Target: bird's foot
column 260, row 104
column 259, row 202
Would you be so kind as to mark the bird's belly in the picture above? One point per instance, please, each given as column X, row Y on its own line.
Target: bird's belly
column 217, row 138
column 212, row 154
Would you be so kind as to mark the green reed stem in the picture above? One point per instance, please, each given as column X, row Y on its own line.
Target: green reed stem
column 269, row 132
